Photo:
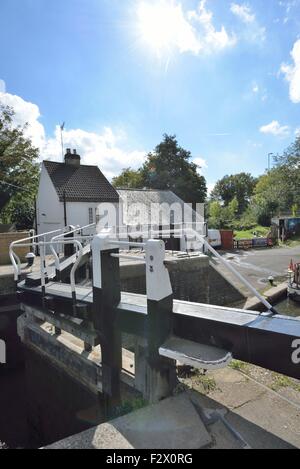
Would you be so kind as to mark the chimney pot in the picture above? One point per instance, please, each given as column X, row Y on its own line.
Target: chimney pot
column 72, row 159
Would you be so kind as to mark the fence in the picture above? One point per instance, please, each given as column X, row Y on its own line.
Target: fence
column 5, row 241
column 252, row 243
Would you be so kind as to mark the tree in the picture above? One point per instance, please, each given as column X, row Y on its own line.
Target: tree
column 233, row 207
column 19, row 172
column 240, row 186
column 288, row 166
column 169, row 167
column 129, row 179
column 277, row 191
column 221, row 217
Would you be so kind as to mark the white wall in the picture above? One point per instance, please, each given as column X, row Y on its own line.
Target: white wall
column 50, row 212
column 78, row 213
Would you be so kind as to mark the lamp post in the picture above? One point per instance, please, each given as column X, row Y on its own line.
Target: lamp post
column 269, row 160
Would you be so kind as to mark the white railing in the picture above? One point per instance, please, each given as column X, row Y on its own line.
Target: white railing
column 42, row 246
column 192, row 234
column 68, row 233
column 158, row 284
column 201, row 238
column 77, row 241
column 15, row 260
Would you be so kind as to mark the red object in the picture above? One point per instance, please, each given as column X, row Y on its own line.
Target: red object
column 291, row 266
column 227, row 239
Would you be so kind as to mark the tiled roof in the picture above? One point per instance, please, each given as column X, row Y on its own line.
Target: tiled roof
column 144, row 199
column 80, row 184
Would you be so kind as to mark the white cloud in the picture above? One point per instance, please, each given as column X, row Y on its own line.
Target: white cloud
column 165, row 26
column 210, row 188
column 2, row 86
column 105, row 149
column 26, row 112
column 244, row 12
column 201, row 163
column 98, row 149
column 292, row 73
column 253, row 31
column 274, row 128
column 254, row 144
column 259, row 91
column 297, row 132
column 288, row 7
column 209, row 38
column 255, row 88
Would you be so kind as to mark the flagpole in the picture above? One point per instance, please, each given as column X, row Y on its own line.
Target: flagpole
column 62, row 140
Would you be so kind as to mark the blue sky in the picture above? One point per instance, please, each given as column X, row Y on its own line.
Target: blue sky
column 224, row 76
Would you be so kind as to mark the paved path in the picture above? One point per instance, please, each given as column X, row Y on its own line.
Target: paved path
column 263, row 419
column 257, row 265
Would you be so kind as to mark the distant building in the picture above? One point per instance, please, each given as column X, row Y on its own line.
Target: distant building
column 136, row 205
column 286, row 226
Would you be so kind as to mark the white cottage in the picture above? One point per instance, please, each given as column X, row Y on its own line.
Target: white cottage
column 70, row 194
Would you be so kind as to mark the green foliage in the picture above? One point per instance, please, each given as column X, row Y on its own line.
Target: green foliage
column 248, row 219
column 234, row 207
column 128, row 406
column 129, row 179
column 222, row 216
column 206, row 382
column 238, row 186
column 169, row 167
column 295, row 209
column 239, row 366
column 18, row 167
column 254, row 231
column 278, row 190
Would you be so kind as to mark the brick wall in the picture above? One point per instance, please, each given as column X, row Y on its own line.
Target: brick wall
column 5, row 240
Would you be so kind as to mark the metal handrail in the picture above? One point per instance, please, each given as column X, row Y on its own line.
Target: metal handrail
column 73, row 270
column 127, row 243
column 128, row 256
column 226, row 264
column 78, row 228
column 62, row 235
column 202, row 239
column 15, row 260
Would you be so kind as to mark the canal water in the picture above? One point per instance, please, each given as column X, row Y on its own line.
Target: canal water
column 289, row 307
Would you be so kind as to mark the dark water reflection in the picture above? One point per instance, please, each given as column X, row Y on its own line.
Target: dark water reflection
column 289, row 307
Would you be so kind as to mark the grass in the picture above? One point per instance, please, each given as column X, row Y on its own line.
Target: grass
column 280, row 381
column 275, row 382
column 239, row 366
column 207, row 382
column 260, row 231
column 127, row 407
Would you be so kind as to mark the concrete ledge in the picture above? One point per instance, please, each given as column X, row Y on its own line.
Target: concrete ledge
column 272, row 295
column 172, row 424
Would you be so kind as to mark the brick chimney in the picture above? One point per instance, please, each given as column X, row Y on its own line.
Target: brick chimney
column 72, row 159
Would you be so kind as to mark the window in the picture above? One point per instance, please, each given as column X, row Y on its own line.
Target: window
column 91, row 216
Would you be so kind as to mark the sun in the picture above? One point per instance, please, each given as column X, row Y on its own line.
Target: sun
column 158, row 24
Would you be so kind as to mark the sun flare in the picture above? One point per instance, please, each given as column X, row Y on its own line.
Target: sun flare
column 158, row 24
